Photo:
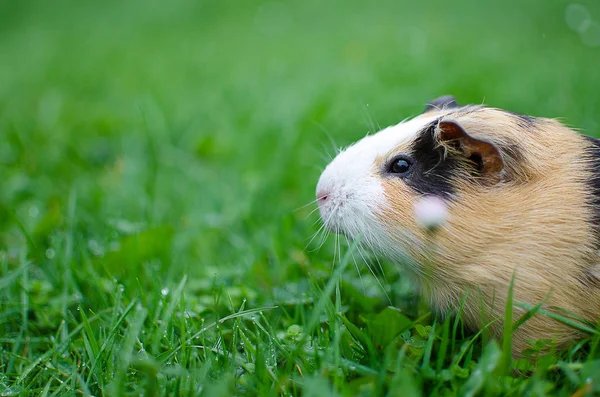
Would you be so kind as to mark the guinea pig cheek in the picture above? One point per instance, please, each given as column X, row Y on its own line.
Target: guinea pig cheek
column 398, row 214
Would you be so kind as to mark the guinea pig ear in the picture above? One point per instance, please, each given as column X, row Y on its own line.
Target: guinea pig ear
column 484, row 154
column 443, row 102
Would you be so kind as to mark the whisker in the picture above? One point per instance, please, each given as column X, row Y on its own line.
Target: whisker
column 328, row 135
column 325, row 155
column 336, row 249
column 362, row 283
column 315, row 222
column 374, row 275
column 310, row 213
column 371, row 237
column 315, row 234
column 373, row 125
column 320, row 229
column 322, row 153
column 306, row 205
column 381, row 269
column 322, row 241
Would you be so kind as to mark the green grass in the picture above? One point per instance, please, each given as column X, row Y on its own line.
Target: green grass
column 153, row 157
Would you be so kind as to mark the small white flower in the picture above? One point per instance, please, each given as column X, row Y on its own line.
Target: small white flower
column 430, row 211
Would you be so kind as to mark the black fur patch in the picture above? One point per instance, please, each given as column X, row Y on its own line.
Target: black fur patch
column 594, row 181
column 590, row 279
column 431, row 173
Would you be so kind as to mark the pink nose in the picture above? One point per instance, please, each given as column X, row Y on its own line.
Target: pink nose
column 322, row 196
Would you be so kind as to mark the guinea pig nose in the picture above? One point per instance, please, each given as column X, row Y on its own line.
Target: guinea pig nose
column 322, row 195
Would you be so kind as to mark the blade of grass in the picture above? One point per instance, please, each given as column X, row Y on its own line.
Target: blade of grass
column 567, row 321
column 52, row 351
column 506, row 361
column 126, row 348
column 429, row 346
column 110, row 338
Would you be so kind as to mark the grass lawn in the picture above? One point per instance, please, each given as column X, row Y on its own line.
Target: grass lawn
column 155, row 158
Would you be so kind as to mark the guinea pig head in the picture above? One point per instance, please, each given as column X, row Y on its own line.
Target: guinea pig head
column 369, row 191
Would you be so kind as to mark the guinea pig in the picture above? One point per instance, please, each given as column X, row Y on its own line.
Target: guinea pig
column 522, row 199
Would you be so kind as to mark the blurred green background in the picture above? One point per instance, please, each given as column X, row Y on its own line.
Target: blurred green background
column 214, row 119
column 141, row 141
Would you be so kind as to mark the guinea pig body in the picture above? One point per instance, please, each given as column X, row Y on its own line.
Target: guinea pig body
column 522, row 196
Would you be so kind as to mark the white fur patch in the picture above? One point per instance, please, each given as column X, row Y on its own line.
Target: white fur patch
column 353, row 185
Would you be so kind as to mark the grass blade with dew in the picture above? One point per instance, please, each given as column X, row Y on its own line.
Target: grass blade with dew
column 313, row 320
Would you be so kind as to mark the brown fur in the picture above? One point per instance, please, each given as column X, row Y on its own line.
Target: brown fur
column 536, row 222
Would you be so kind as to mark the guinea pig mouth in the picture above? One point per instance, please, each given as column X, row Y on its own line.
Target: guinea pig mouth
column 328, row 216
column 336, row 215
column 329, row 209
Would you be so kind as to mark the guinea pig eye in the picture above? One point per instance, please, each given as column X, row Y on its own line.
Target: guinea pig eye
column 400, row 165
